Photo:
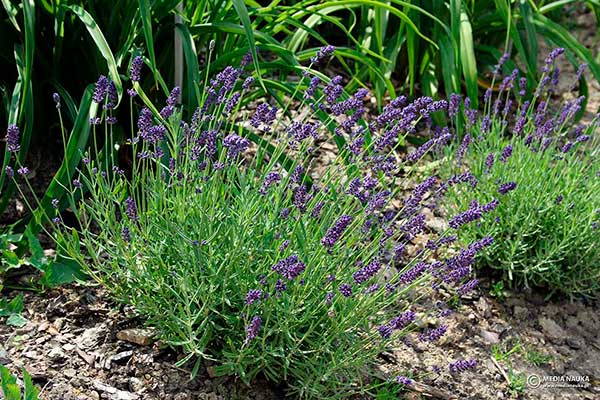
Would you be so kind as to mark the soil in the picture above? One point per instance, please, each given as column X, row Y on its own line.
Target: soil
column 78, row 345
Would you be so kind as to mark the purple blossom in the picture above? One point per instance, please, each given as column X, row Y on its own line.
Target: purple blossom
column 100, row 89
column 284, row 213
column 345, row 289
column 507, row 187
column 433, row 335
column 235, row 145
column 253, row 329
column 489, row 162
column 246, row 59
column 23, row 171
column 404, row 380
column 248, row 82
column 12, row 139
column 467, row 287
column 316, row 211
column 125, row 234
column 322, row 53
column 311, row 90
column 506, row 153
column 272, row 178
column 462, row 365
column 559, row 199
column 366, row 272
column 131, row 209
column 56, row 99
column 289, row 267
column 77, row 184
column 136, row 67
column 333, row 90
column 253, row 295
column 396, row 323
column 329, row 297
column 263, row 115
column 472, row 214
column 464, row 146
column 412, row 274
column 336, row 231
column 566, row 147
column 55, row 203
column 112, row 96
column 284, row 246
column 454, row 105
column 301, row 198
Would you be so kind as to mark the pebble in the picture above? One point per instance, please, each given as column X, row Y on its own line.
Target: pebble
column 142, row 337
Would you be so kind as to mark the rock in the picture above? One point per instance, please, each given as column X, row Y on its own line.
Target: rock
column 574, row 342
column 183, row 396
column 124, row 355
column 499, row 394
column 520, row 313
column 483, row 307
column 57, row 355
column 142, row 337
column 552, row 330
column 90, row 337
column 489, row 337
column 136, row 384
column 114, row 393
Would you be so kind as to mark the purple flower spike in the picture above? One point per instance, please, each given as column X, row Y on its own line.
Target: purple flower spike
column 345, row 289
column 323, row 52
column 23, row 171
column 336, row 231
column 12, row 139
column 506, row 153
column 289, row 267
column 235, row 145
column 433, row 335
column 101, row 89
column 462, row 365
column 136, row 67
column 404, row 380
column 507, row 187
column 131, row 209
column 126, row 235
column 253, row 329
column 253, row 295
column 367, row 272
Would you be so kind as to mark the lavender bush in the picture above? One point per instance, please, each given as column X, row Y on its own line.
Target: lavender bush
column 269, row 259
column 543, row 168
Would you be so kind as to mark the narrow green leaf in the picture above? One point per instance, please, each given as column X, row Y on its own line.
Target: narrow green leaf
column 101, row 44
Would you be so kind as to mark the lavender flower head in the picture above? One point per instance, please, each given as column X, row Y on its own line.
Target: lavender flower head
column 235, row 145
column 101, row 89
column 253, row 295
column 13, row 142
column 253, row 328
column 506, row 153
column 345, row 289
column 507, row 187
column 56, row 99
column 462, row 365
column 136, row 67
column 131, row 209
column 336, row 231
column 322, row 53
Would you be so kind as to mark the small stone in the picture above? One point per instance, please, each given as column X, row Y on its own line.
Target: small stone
column 520, row 313
column 57, row 355
column 69, row 372
column 499, row 394
column 574, row 343
column 142, row 337
column 489, row 337
column 136, row 384
column 31, row 354
column 124, row 355
column 552, row 330
column 90, row 337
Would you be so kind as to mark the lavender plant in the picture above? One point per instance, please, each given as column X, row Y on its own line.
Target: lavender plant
column 543, row 168
column 269, row 258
